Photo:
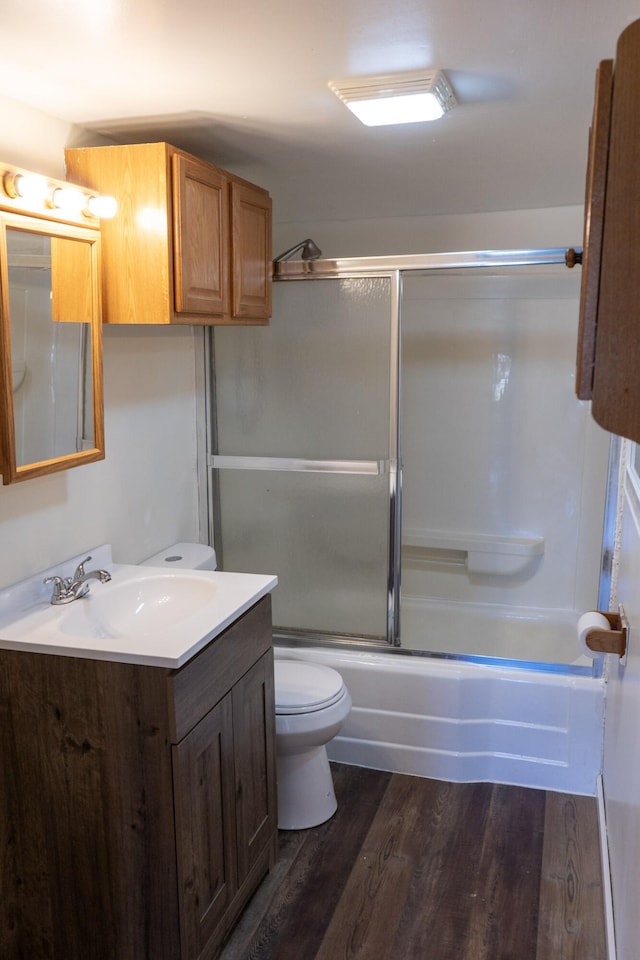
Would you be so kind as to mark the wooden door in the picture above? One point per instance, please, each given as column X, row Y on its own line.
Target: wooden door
column 201, row 237
column 251, row 244
column 205, row 829
column 254, row 740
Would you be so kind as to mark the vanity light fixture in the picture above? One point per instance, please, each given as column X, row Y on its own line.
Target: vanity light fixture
column 33, row 193
column 411, row 97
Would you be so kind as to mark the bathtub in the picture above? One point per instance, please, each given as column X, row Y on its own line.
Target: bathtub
column 467, row 721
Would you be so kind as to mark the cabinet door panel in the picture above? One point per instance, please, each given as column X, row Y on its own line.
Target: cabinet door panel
column 205, row 827
column 254, row 735
column 251, row 218
column 201, row 237
column 616, row 397
column 593, row 226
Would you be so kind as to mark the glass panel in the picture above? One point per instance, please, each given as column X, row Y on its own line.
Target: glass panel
column 312, row 386
column 315, row 382
column 324, row 535
column 504, row 471
column 50, row 345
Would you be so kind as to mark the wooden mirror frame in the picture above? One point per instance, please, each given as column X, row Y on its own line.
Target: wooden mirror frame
column 16, row 213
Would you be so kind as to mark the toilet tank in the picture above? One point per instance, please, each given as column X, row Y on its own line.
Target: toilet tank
column 185, row 556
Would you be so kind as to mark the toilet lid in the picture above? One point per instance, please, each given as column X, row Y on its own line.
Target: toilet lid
column 305, row 687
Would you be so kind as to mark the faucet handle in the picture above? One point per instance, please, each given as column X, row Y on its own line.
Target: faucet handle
column 80, row 568
column 59, row 587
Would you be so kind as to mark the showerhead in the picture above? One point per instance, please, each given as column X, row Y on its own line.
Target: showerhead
column 310, row 251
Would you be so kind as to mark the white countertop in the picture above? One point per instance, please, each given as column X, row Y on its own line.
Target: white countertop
column 85, row 627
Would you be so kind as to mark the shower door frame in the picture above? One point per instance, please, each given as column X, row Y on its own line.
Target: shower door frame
column 393, row 268
column 390, row 465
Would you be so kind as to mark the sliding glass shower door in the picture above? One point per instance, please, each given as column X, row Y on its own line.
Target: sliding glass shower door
column 305, row 455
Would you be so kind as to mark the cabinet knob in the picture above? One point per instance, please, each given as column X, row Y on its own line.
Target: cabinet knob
column 572, row 257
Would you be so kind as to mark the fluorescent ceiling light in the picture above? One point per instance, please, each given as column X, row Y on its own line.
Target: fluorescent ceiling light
column 413, row 97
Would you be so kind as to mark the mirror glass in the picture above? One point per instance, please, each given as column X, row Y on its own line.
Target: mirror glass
column 51, row 337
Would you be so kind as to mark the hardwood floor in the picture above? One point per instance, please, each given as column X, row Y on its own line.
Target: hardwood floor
column 415, row 869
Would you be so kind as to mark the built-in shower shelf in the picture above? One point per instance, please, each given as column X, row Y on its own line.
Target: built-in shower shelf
column 485, row 553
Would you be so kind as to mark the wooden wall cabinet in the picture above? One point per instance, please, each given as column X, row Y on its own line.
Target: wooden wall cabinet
column 138, row 804
column 190, row 243
column 609, row 337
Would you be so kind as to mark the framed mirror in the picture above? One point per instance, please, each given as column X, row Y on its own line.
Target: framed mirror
column 51, row 406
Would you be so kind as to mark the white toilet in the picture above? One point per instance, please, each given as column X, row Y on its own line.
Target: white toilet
column 183, row 556
column 312, row 703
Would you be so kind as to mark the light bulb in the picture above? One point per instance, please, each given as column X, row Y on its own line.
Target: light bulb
column 68, row 199
column 414, row 108
column 103, row 207
column 30, row 186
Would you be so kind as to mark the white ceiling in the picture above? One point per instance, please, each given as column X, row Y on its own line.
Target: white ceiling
column 244, row 83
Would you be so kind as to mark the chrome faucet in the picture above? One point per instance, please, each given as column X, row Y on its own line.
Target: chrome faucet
column 66, row 589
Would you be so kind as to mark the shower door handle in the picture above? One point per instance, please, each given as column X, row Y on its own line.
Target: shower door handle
column 373, row 468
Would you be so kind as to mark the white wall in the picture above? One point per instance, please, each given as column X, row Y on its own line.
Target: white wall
column 143, row 496
column 621, row 751
column 508, row 230
column 32, row 139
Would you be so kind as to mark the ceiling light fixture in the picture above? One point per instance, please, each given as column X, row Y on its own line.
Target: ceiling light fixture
column 412, row 97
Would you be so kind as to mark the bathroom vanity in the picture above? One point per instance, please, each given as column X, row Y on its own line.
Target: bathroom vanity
column 138, row 801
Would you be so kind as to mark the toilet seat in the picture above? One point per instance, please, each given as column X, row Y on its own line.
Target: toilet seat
column 305, row 687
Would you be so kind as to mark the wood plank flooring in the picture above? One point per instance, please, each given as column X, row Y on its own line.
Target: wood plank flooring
column 415, row 869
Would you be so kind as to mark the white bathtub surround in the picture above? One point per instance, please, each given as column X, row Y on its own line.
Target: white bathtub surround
column 491, row 629
column 468, row 722
column 489, row 555
column 505, row 474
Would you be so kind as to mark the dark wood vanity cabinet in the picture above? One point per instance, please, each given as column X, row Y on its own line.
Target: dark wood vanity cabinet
column 609, row 338
column 138, row 804
column 224, row 791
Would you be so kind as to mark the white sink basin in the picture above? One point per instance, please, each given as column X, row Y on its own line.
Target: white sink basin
column 144, row 615
column 141, row 606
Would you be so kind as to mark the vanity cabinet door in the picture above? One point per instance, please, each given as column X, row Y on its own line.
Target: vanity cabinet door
column 205, row 829
column 595, row 193
column 254, row 749
column 201, row 237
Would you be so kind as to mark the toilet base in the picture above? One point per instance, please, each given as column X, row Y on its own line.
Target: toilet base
column 306, row 797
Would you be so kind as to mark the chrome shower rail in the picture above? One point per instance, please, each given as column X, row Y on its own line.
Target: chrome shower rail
column 372, row 266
